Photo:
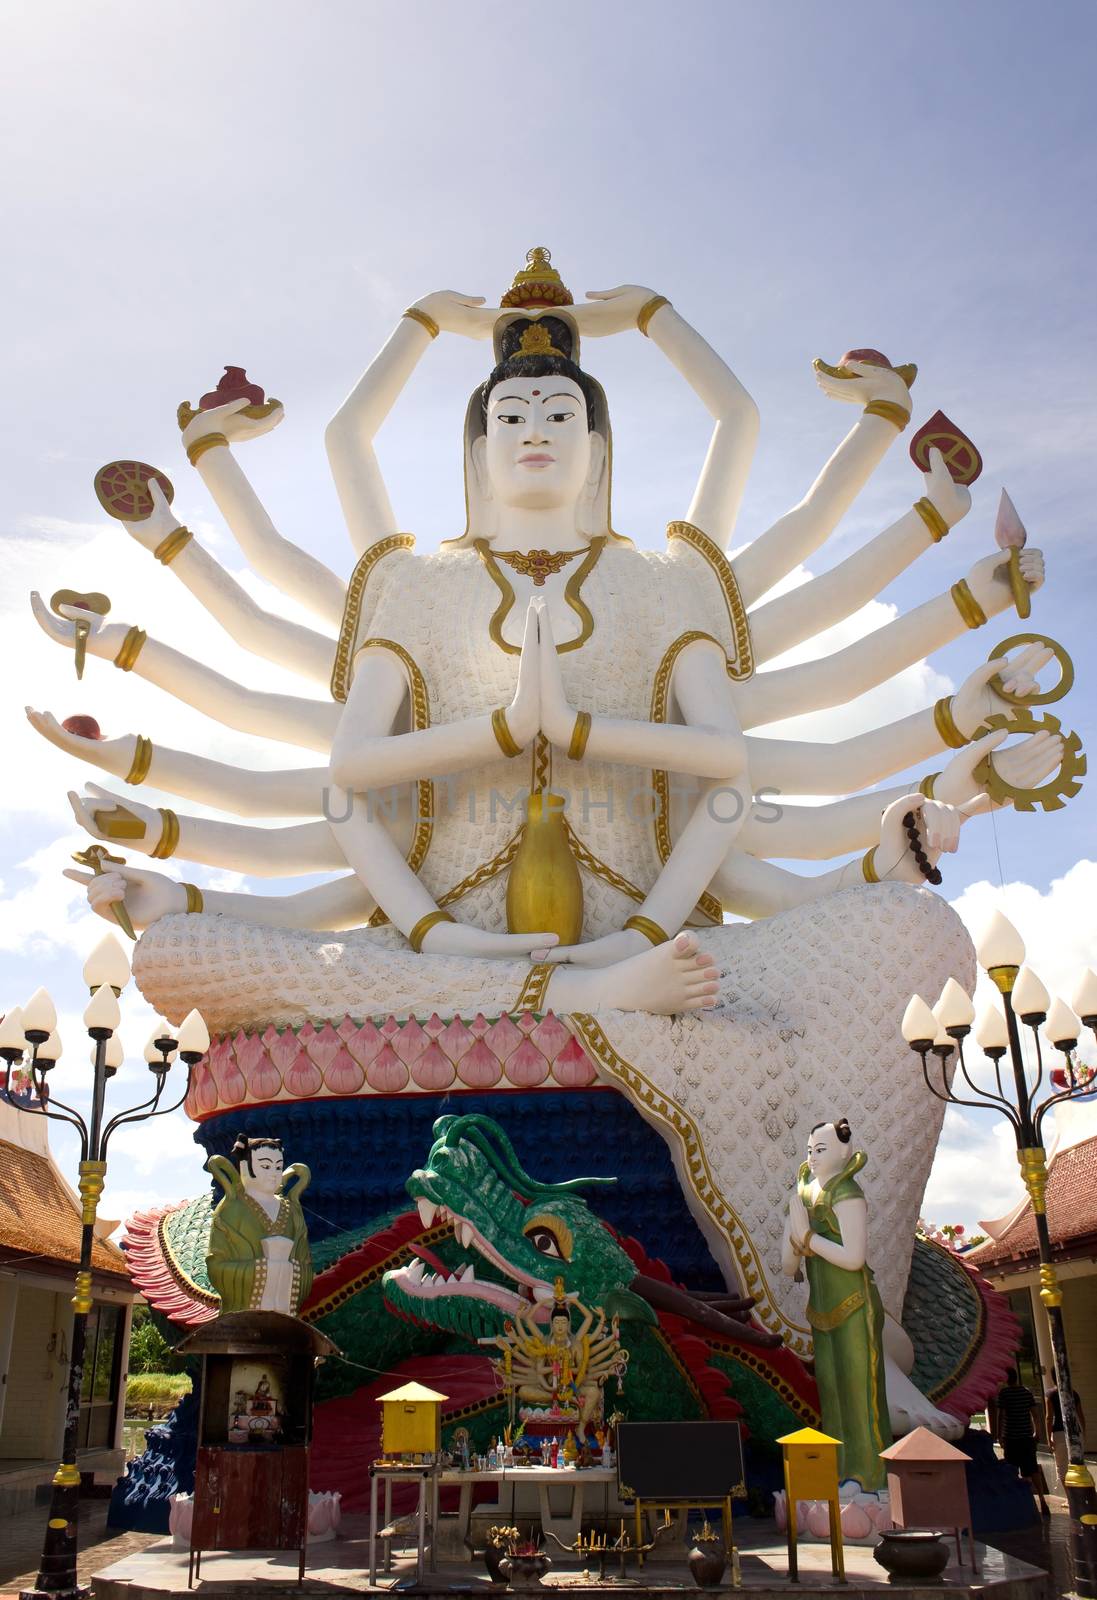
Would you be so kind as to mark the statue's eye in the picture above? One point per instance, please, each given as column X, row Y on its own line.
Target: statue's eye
column 550, row 1236
column 561, row 416
column 541, row 1239
column 508, row 416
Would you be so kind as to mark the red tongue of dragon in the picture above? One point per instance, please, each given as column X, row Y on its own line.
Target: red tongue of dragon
column 431, row 1259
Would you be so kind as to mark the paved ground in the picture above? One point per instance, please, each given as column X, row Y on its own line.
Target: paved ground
column 21, row 1545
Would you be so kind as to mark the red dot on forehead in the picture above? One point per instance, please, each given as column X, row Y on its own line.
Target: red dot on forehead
column 537, row 391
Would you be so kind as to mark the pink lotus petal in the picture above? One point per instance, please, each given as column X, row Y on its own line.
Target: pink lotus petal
column 479, row 1025
column 410, row 1042
column 1009, row 530
column 550, row 1036
column 526, row 1066
column 573, row 1069
column 527, row 1022
column 305, row 1032
column 324, row 1047
column 226, row 1074
column 434, row 1025
column 303, row 1078
column 856, row 1522
column 390, row 1026
column 343, row 1075
column 263, row 1078
column 364, row 1043
column 455, row 1040
column 818, row 1519
column 203, row 1088
column 433, row 1069
column 479, row 1067
column 284, row 1050
column 346, row 1028
column 502, row 1038
column 386, row 1073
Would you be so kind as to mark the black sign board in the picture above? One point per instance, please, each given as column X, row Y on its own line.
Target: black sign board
column 698, row 1462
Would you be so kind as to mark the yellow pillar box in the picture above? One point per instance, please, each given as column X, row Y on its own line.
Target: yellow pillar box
column 811, row 1473
column 411, row 1423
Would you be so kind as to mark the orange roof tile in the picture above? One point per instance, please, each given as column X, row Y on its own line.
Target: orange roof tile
column 38, row 1216
column 1071, row 1209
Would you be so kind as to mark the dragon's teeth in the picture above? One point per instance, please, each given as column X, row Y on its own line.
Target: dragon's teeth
column 468, row 1275
column 427, row 1211
column 415, row 1271
column 464, row 1234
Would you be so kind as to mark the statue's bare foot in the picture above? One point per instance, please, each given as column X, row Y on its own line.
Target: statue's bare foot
column 672, row 977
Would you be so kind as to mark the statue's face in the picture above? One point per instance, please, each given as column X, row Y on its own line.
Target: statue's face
column 538, row 447
column 266, row 1174
column 827, row 1154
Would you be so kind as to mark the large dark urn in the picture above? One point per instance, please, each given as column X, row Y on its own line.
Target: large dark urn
column 904, row 1554
column 707, row 1561
column 494, row 1556
column 524, row 1572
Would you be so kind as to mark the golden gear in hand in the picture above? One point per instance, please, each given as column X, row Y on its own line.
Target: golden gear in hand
column 1050, row 796
column 1048, row 696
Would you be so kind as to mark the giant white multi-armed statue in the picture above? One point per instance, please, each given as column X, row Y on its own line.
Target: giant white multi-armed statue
column 543, row 654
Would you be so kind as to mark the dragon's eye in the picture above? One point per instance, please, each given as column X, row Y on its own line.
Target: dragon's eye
column 550, row 1236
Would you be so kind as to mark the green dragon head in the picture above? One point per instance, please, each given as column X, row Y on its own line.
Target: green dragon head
column 507, row 1239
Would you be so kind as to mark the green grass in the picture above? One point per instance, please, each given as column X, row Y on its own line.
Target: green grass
column 163, row 1390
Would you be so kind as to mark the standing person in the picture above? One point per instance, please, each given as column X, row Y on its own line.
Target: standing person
column 1056, row 1432
column 1017, row 1434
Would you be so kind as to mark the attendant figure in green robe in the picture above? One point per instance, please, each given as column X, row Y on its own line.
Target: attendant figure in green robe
column 826, row 1235
column 259, row 1256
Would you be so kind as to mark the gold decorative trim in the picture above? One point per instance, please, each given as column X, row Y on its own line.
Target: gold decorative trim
column 572, row 596
column 92, row 1176
column 195, row 899
column 648, row 310
column 209, row 441
column 868, row 866
column 654, row 1105
column 531, row 996
column 966, row 604
column 579, row 736
column 170, row 546
column 142, row 761
column 827, row 1321
column 927, row 785
column 352, row 609
column 424, row 925
column 585, row 857
column 729, row 588
column 169, row 835
column 946, row 727
column 130, row 649
column 506, row 741
column 932, row 518
column 650, row 930
column 420, row 719
column 414, row 314
column 660, row 695
column 482, row 874
column 896, row 414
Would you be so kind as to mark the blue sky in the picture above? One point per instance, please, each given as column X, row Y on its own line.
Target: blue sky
column 270, row 184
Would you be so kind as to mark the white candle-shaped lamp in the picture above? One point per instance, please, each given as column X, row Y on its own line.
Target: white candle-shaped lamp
column 193, row 1036
column 1062, row 1026
column 108, row 963
column 1030, row 999
column 1085, row 997
column 39, row 1017
column 919, row 1023
column 1000, row 945
column 954, row 1009
column 991, row 1030
column 102, row 1015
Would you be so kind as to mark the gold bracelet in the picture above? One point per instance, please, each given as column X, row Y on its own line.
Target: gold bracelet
column 932, row 518
column 170, row 546
column 142, row 761
column 423, row 320
column 169, row 835
column 927, row 784
column 967, row 605
column 946, row 726
column 130, row 649
column 423, row 927
column 209, row 441
column 503, row 736
column 889, row 411
column 579, row 736
column 868, row 866
column 648, row 310
column 195, row 902
column 650, row 930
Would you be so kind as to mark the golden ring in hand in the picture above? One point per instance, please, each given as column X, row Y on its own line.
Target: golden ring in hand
column 1050, row 796
column 1046, row 697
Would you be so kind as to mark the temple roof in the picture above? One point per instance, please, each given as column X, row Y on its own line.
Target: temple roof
column 1071, row 1211
column 39, row 1216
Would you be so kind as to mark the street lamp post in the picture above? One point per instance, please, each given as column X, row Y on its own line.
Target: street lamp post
column 32, row 1029
column 940, row 1032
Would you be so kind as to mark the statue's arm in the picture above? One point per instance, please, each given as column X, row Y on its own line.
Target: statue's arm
column 852, row 1253
column 262, row 852
column 811, row 607
column 719, row 491
column 286, row 643
column 342, row 903
column 246, row 792
column 270, row 555
column 351, row 432
column 803, row 529
column 880, row 655
column 287, row 718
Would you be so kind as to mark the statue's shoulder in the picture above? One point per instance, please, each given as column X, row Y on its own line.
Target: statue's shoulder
column 846, row 1186
column 382, row 564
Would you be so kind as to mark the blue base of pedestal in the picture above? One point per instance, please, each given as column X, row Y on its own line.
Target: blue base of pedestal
column 1001, row 1501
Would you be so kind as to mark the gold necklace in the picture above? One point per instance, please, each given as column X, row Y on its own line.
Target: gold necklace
column 572, row 596
column 537, row 564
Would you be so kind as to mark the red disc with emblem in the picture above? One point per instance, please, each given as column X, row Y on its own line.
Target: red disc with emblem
column 963, row 461
column 121, row 487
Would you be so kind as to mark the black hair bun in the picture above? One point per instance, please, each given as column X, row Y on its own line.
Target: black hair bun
column 558, row 332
